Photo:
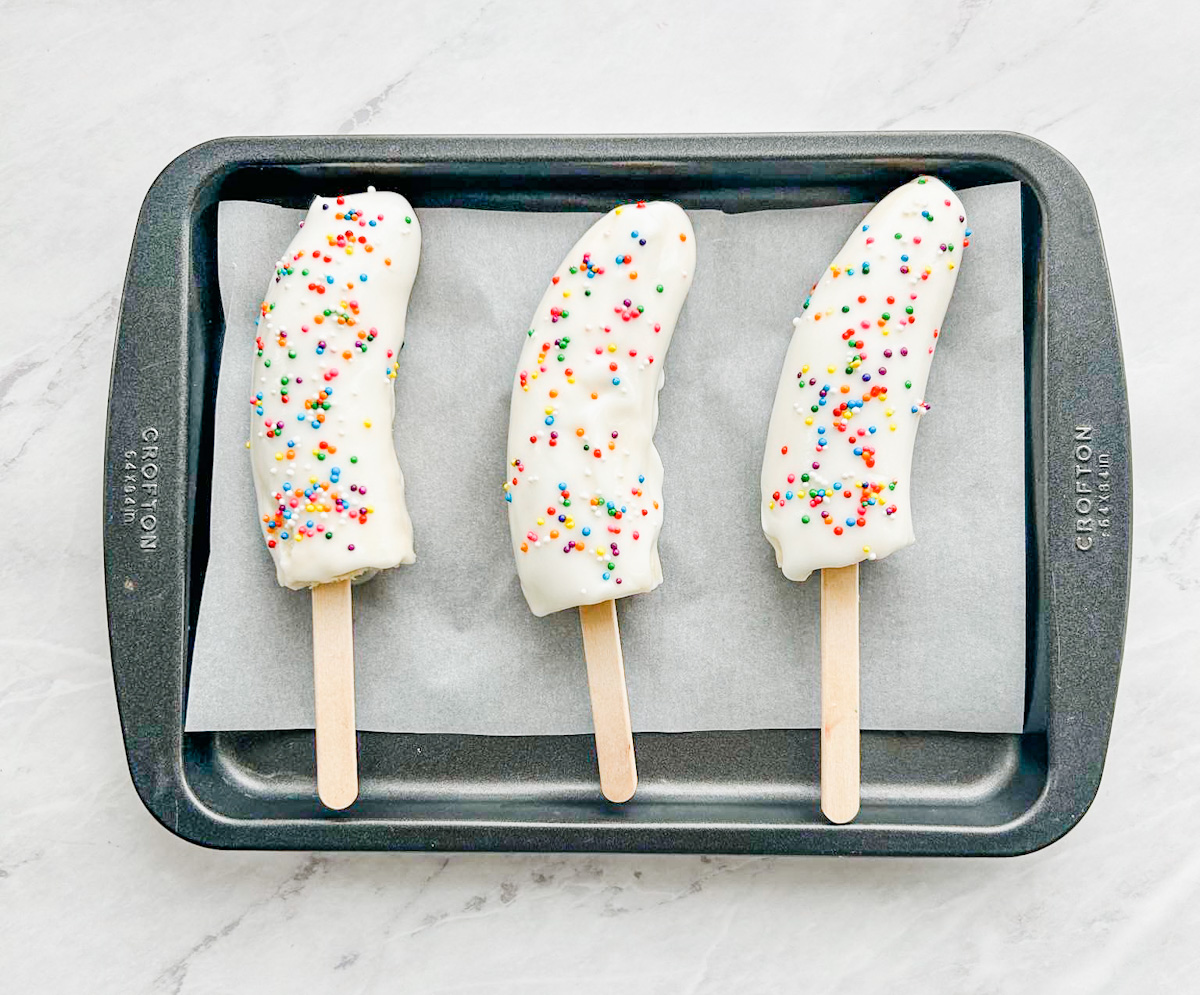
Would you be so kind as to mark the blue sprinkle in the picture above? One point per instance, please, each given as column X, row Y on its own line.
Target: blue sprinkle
column 866, row 377
column 606, row 575
column 590, row 274
column 633, row 234
column 562, row 518
column 857, row 450
column 967, row 233
column 904, row 259
column 283, row 535
column 620, row 259
column 315, row 424
column 362, row 277
column 562, row 486
column 871, row 430
column 914, row 409
column 587, row 532
column 616, row 381
column 549, row 419
column 287, row 487
column 291, row 444
column 821, row 430
column 865, row 227
column 850, row 522
column 508, row 497
column 329, row 279
column 641, row 479
column 837, row 486
column 299, row 417
column 788, row 495
column 324, row 207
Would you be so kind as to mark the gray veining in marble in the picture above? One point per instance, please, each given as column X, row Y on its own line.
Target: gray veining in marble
column 95, row 896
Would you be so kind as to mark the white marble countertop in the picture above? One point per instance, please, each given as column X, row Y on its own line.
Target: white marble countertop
column 96, row 896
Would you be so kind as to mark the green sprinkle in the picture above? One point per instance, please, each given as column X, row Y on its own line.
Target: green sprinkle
column 804, row 519
column 407, row 220
column 353, row 459
column 908, row 310
column 845, row 308
column 659, row 288
column 908, row 385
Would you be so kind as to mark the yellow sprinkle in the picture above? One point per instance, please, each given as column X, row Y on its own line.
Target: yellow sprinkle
column 279, row 455
column 829, row 370
column 569, row 380
column 569, row 523
column 804, row 369
column 370, row 509
column 312, row 480
column 889, row 412
column 612, row 347
column 892, row 428
column 549, row 411
column 866, row 549
column 566, row 293
column 310, row 507
column 617, row 211
column 299, row 537
column 949, row 265
column 349, row 251
column 807, row 421
column 772, row 504
column 247, row 443
column 541, row 521
column 366, row 424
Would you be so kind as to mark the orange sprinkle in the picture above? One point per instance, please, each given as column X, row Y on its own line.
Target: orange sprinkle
column 682, row 237
column 579, row 431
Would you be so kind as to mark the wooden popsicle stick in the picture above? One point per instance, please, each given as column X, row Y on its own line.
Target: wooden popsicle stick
column 610, row 702
column 840, row 754
column 333, row 682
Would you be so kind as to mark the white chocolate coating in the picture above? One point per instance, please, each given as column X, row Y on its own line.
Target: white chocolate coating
column 837, row 467
column 585, row 482
column 330, row 492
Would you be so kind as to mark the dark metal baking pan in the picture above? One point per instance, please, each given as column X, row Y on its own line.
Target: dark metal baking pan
column 746, row 792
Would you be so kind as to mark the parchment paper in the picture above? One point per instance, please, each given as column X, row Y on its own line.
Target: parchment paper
column 448, row 644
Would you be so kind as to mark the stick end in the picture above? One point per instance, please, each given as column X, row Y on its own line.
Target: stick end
column 840, row 810
column 338, row 796
column 619, row 789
